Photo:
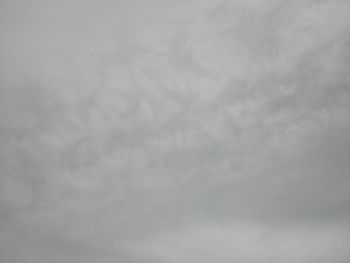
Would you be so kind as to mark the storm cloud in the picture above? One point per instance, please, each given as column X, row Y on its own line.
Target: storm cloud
column 171, row 131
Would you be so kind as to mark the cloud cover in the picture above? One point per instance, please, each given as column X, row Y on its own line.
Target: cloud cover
column 174, row 131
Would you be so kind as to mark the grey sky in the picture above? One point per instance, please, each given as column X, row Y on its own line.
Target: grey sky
column 171, row 131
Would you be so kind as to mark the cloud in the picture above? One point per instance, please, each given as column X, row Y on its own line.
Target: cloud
column 247, row 242
column 165, row 131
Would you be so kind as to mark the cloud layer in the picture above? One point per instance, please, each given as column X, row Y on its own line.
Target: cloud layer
column 174, row 131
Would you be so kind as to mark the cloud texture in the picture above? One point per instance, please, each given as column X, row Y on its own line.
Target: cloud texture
column 175, row 131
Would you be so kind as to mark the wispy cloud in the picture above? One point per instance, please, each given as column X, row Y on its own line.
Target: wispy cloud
column 172, row 131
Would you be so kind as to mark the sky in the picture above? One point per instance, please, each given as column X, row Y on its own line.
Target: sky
column 163, row 131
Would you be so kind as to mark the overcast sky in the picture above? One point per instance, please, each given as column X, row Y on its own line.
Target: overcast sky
column 175, row 131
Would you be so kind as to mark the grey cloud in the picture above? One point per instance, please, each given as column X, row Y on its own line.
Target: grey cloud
column 172, row 131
